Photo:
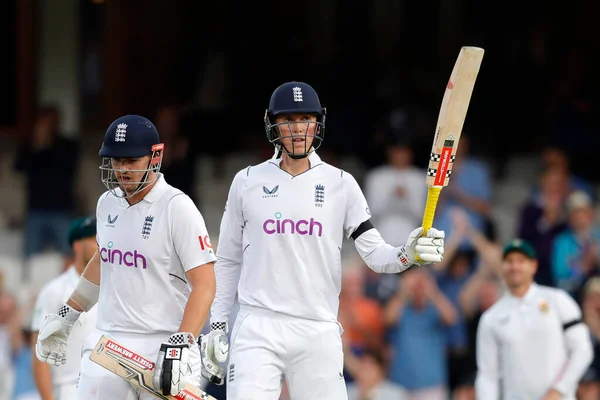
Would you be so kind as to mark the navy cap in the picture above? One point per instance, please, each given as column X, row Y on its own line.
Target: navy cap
column 294, row 97
column 81, row 228
column 128, row 137
column 521, row 246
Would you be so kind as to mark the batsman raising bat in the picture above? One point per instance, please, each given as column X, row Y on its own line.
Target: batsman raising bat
column 152, row 275
column 279, row 250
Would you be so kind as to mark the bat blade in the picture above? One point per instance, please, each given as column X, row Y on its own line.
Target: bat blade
column 136, row 369
column 453, row 112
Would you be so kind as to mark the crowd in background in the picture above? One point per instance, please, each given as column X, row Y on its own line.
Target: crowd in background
column 405, row 335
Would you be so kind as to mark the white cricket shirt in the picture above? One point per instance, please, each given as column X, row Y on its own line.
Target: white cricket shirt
column 527, row 346
column 52, row 296
column 145, row 251
column 281, row 237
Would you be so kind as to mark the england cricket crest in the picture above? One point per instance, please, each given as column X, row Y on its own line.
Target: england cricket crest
column 319, row 195
column 147, row 227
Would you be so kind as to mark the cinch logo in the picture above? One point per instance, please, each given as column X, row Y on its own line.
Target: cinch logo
column 118, row 257
column 301, row 227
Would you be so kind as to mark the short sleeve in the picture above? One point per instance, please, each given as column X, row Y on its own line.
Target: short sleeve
column 567, row 309
column 188, row 231
column 357, row 209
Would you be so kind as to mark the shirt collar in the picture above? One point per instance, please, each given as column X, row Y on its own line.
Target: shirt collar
column 528, row 295
column 313, row 158
column 156, row 190
column 151, row 196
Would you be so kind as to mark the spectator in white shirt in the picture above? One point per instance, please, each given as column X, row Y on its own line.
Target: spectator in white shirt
column 396, row 192
column 531, row 344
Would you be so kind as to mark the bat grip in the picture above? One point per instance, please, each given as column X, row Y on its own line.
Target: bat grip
column 433, row 194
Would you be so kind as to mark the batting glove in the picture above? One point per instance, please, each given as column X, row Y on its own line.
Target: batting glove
column 173, row 370
column 214, row 349
column 51, row 346
column 430, row 248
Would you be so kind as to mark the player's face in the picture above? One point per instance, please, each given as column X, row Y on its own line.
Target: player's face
column 518, row 269
column 130, row 172
column 297, row 131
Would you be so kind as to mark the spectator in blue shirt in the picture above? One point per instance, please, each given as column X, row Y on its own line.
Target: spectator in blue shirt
column 418, row 316
column 575, row 255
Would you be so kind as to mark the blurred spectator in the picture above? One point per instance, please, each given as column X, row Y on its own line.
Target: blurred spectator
column 371, row 382
column 60, row 383
column 360, row 316
column 24, row 387
column 17, row 380
column 589, row 387
column 470, row 189
column 419, row 315
column 179, row 161
column 575, row 251
column 48, row 160
column 542, row 219
column 7, row 320
column 396, row 192
column 554, row 157
column 380, row 287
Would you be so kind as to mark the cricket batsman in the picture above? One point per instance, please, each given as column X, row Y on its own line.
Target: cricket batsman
column 280, row 250
column 152, row 274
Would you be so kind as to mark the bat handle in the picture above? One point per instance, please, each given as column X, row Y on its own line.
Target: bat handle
column 433, row 194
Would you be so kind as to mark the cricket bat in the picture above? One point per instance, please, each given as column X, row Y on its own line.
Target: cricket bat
column 137, row 369
column 449, row 126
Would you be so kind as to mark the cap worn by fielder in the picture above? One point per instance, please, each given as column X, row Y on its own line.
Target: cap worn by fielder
column 81, row 228
column 521, row 246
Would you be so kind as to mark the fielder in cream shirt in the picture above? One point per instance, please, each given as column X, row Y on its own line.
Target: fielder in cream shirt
column 60, row 383
column 531, row 344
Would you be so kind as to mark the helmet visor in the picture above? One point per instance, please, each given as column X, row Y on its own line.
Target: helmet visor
column 117, row 180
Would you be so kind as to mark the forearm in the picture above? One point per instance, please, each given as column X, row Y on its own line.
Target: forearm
column 227, row 276
column 197, row 309
column 377, row 254
column 86, row 293
column 445, row 308
column 478, row 205
column 393, row 311
column 484, row 248
column 580, row 357
column 41, row 374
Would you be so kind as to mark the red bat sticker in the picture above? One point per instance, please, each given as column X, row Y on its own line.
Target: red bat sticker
column 442, row 169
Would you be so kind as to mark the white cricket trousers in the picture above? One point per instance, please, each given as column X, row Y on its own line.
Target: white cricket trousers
column 97, row 383
column 65, row 391
column 267, row 347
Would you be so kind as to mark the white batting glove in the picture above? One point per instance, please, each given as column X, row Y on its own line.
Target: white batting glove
column 214, row 349
column 173, row 370
column 51, row 346
column 430, row 248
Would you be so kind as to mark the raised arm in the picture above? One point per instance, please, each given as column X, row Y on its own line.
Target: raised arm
column 377, row 254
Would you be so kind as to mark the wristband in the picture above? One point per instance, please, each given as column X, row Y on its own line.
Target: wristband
column 85, row 294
